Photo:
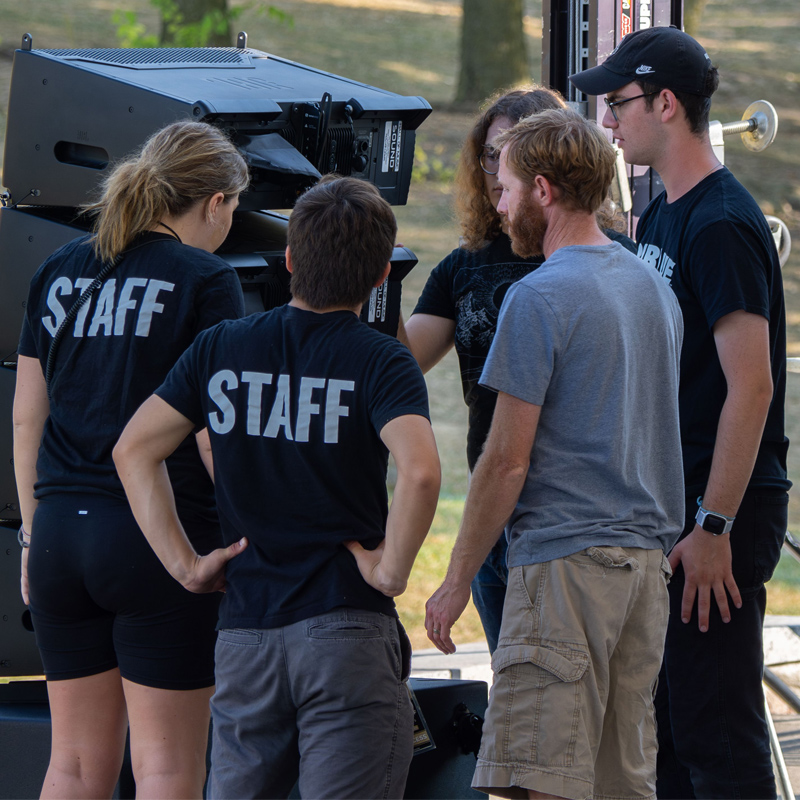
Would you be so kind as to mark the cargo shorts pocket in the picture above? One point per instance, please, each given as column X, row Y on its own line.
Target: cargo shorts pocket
column 537, row 697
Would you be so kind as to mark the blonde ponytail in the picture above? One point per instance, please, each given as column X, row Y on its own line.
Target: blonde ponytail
column 178, row 166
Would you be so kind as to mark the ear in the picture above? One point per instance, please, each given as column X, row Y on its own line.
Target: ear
column 212, row 204
column 670, row 107
column 384, row 276
column 288, row 259
column 542, row 191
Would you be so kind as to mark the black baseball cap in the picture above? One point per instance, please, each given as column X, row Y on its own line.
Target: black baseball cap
column 666, row 57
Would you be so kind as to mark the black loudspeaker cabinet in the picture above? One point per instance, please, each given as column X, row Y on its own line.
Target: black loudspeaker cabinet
column 447, row 706
column 72, row 113
column 444, row 772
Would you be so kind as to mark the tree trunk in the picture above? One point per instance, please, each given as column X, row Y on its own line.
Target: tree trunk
column 692, row 12
column 192, row 13
column 493, row 52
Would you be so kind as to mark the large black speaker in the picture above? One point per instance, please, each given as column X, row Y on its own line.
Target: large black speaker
column 72, row 113
column 453, row 712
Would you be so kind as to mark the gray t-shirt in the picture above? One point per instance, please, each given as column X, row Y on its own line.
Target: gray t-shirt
column 594, row 338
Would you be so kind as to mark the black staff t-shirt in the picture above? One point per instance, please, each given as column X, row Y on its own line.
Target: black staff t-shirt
column 118, row 351
column 715, row 249
column 294, row 402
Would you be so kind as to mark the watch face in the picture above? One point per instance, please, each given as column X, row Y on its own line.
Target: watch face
column 714, row 524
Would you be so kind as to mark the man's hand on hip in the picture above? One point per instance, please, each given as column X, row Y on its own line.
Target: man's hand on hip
column 207, row 573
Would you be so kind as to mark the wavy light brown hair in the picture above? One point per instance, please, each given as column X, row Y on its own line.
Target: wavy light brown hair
column 480, row 223
column 178, row 166
column 341, row 236
column 569, row 150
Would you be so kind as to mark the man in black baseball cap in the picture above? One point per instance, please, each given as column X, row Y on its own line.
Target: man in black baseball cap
column 665, row 57
column 708, row 238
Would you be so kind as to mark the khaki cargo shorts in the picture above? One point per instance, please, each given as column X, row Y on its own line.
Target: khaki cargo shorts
column 571, row 709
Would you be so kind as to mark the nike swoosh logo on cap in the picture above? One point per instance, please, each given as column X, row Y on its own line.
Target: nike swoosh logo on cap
column 644, row 70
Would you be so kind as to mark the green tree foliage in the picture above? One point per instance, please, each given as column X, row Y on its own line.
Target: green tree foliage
column 190, row 23
column 493, row 54
column 196, row 23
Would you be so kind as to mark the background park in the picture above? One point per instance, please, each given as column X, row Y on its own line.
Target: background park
column 414, row 47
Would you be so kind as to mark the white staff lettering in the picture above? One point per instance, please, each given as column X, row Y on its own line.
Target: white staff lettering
column 225, row 423
column 110, row 312
column 222, row 391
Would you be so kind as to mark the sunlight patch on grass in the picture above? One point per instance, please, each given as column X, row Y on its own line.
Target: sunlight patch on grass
column 439, row 9
column 413, row 72
column 532, row 26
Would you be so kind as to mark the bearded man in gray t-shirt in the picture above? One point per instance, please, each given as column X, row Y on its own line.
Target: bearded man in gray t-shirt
column 583, row 463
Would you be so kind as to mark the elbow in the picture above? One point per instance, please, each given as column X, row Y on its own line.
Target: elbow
column 426, row 480
column 506, row 468
column 122, row 453
column 761, row 395
column 393, row 588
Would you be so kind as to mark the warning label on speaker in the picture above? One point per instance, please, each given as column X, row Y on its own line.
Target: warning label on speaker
column 392, row 141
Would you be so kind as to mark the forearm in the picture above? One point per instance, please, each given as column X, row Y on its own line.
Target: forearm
column 428, row 337
column 31, row 410
column 493, row 494
column 150, row 495
column 27, row 438
column 739, row 432
column 410, row 516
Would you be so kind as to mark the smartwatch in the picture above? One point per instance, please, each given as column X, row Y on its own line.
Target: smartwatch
column 715, row 524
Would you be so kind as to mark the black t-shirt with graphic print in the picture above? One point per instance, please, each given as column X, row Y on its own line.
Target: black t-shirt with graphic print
column 715, row 248
column 295, row 402
column 111, row 359
column 469, row 287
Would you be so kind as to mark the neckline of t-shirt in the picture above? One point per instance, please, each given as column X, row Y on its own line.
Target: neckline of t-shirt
column 317, row 315
column 711, row 177
column 611, row 244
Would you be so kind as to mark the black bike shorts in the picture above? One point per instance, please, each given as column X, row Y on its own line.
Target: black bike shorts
column 100, row 598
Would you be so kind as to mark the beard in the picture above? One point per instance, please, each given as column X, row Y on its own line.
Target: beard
column 527, row 229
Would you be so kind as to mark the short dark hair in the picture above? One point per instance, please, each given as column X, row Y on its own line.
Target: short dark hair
column 569, row 150
column 341, row 236
column 696, row 107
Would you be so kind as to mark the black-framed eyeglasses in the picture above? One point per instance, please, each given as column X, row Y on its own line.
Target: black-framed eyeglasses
column 611, row 105
column 490, row 160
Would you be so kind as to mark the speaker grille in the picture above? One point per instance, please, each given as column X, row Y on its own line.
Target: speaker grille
column 159, row 57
